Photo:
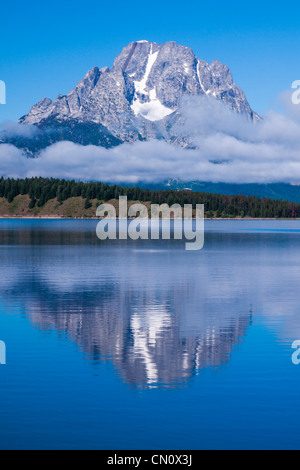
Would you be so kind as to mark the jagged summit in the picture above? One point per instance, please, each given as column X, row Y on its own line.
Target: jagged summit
column 138, row 98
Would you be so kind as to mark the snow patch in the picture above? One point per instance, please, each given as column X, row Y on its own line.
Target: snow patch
column 140, row 86
column 207, row 92
column 152, row 110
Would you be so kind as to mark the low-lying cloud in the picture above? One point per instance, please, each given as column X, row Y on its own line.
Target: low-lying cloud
column 228, row 148
column 13, row 129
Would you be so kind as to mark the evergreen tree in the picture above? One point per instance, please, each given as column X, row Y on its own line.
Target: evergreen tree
column 87, row 203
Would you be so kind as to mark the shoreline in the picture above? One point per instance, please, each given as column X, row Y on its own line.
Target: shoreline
column 132, row 218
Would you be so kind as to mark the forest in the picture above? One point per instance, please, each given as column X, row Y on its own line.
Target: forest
column 41, row 190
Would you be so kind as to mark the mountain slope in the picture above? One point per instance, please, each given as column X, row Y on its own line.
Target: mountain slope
column 138, row 98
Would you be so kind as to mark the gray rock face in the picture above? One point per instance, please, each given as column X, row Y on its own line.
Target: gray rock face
column 138, row 98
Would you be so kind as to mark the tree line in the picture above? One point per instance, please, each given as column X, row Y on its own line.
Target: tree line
column 41, row 190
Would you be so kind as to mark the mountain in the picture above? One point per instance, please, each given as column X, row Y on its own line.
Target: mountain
column 137, row 99
column 277, row 191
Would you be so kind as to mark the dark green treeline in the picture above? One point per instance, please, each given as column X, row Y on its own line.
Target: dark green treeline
column 41, row 190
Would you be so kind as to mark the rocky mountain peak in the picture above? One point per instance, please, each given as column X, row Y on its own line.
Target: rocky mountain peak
column 141, row 92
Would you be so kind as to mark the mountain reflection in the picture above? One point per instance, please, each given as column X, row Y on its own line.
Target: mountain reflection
column 152, row 336
column 158, row 313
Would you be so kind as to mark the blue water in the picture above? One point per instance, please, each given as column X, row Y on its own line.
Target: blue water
column 143, row 345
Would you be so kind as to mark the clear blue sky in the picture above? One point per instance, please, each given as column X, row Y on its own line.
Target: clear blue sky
column 47, row 47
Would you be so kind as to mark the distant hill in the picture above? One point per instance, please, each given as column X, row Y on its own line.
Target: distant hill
column 284, row 191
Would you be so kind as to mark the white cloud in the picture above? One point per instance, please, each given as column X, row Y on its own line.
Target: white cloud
column 13, row 129
column 268, row 151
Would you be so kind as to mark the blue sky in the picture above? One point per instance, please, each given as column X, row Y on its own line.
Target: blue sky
column 46, row 48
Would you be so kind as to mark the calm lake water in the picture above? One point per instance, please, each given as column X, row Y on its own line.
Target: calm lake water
column 143, row 345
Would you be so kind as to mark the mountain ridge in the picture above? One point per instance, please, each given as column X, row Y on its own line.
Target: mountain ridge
column 138, row 98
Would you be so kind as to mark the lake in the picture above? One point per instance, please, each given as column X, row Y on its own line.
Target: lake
column 143, row 345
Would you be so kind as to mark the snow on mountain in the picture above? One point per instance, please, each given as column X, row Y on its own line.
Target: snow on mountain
column 138, row 98
column 153, row 110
